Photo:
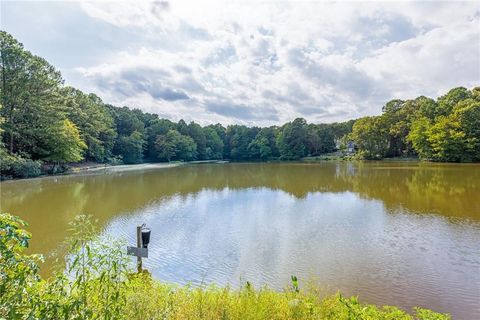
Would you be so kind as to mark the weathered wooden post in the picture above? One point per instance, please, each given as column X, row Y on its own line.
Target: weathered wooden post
column 141, row 250
column 139, row 245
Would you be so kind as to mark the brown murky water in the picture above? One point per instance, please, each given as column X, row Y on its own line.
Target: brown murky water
column 405, row 234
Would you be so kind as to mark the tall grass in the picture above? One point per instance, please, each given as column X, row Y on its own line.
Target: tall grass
column 96, row 282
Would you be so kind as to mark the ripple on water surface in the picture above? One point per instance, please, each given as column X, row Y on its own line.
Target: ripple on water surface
column 393, row 233
column 337, row 239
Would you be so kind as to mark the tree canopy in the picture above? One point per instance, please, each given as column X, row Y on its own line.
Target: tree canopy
column 446, row 129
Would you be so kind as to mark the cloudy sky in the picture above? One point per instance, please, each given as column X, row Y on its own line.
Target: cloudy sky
column 256, row 63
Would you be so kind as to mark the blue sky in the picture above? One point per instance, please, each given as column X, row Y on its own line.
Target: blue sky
column 250, row 62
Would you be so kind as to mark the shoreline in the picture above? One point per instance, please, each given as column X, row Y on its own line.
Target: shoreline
column 133, row 167
column 93, row 168
column 96, row 168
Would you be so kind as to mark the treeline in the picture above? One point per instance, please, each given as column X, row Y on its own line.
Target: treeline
column 446, row 129
column 46, row 124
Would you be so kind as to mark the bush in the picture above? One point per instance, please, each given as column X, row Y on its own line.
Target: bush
column 6, row 162
column 13, row 166
column 115, row 160
column 26, row 168
column 18, row 272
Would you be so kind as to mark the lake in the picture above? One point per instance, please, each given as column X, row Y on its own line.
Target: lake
column 397, row 233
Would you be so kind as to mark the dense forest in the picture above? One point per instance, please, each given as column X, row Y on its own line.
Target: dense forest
column 46, row 125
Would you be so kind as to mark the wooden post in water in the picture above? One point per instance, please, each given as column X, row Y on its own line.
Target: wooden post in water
column 141, row 250
column 139, row 245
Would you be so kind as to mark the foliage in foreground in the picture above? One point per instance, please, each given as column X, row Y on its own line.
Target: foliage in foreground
column 96, row 283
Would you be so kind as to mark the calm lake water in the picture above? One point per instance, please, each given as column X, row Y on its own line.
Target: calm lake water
column 403, row 234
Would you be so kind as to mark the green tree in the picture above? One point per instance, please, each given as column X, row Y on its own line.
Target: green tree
column 340, row 129
column 195, row 131
column 418, row 136
column 447, row 130
column 182, row 127
column 396, row 125
column 130, row 147
column 456, row 138
column 448, row 101
column 447, row 139
column 468, row 114
column 320, row 139
column 371, row 137
column 237, row 139
column 221, row 132
column 66, row 144
column 165, row 148
column 327, row 140
column 156, row 128
column 127, row 121
column 95, row 123
column 214, row 144
column 425, row 107
column 292, row 139
column 31, row 98
column 175, row 146
column 313, row 142
column 264, row 146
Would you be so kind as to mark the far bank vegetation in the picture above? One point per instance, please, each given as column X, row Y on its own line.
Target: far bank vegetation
column 46, row 126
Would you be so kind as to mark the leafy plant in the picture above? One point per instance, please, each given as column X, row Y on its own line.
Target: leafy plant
column 18, row 271
column 295, row 283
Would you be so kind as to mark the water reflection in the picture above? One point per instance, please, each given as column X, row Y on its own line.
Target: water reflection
column 444, row 189
column 264, row 236
column 396, row 233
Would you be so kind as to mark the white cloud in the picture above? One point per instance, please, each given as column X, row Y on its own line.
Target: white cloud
column 133, row 14
column 269, row 62
column 431, row 63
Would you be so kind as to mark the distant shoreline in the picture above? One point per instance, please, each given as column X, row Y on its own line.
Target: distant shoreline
column 92, row 167
column 136, row 166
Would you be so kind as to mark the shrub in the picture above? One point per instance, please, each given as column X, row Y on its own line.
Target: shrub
column 14, row 166
column 18, row 272
column 26, row 168
column 115, row 160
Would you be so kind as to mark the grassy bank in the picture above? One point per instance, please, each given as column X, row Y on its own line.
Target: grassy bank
column 149, row 299
column 96, row 281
